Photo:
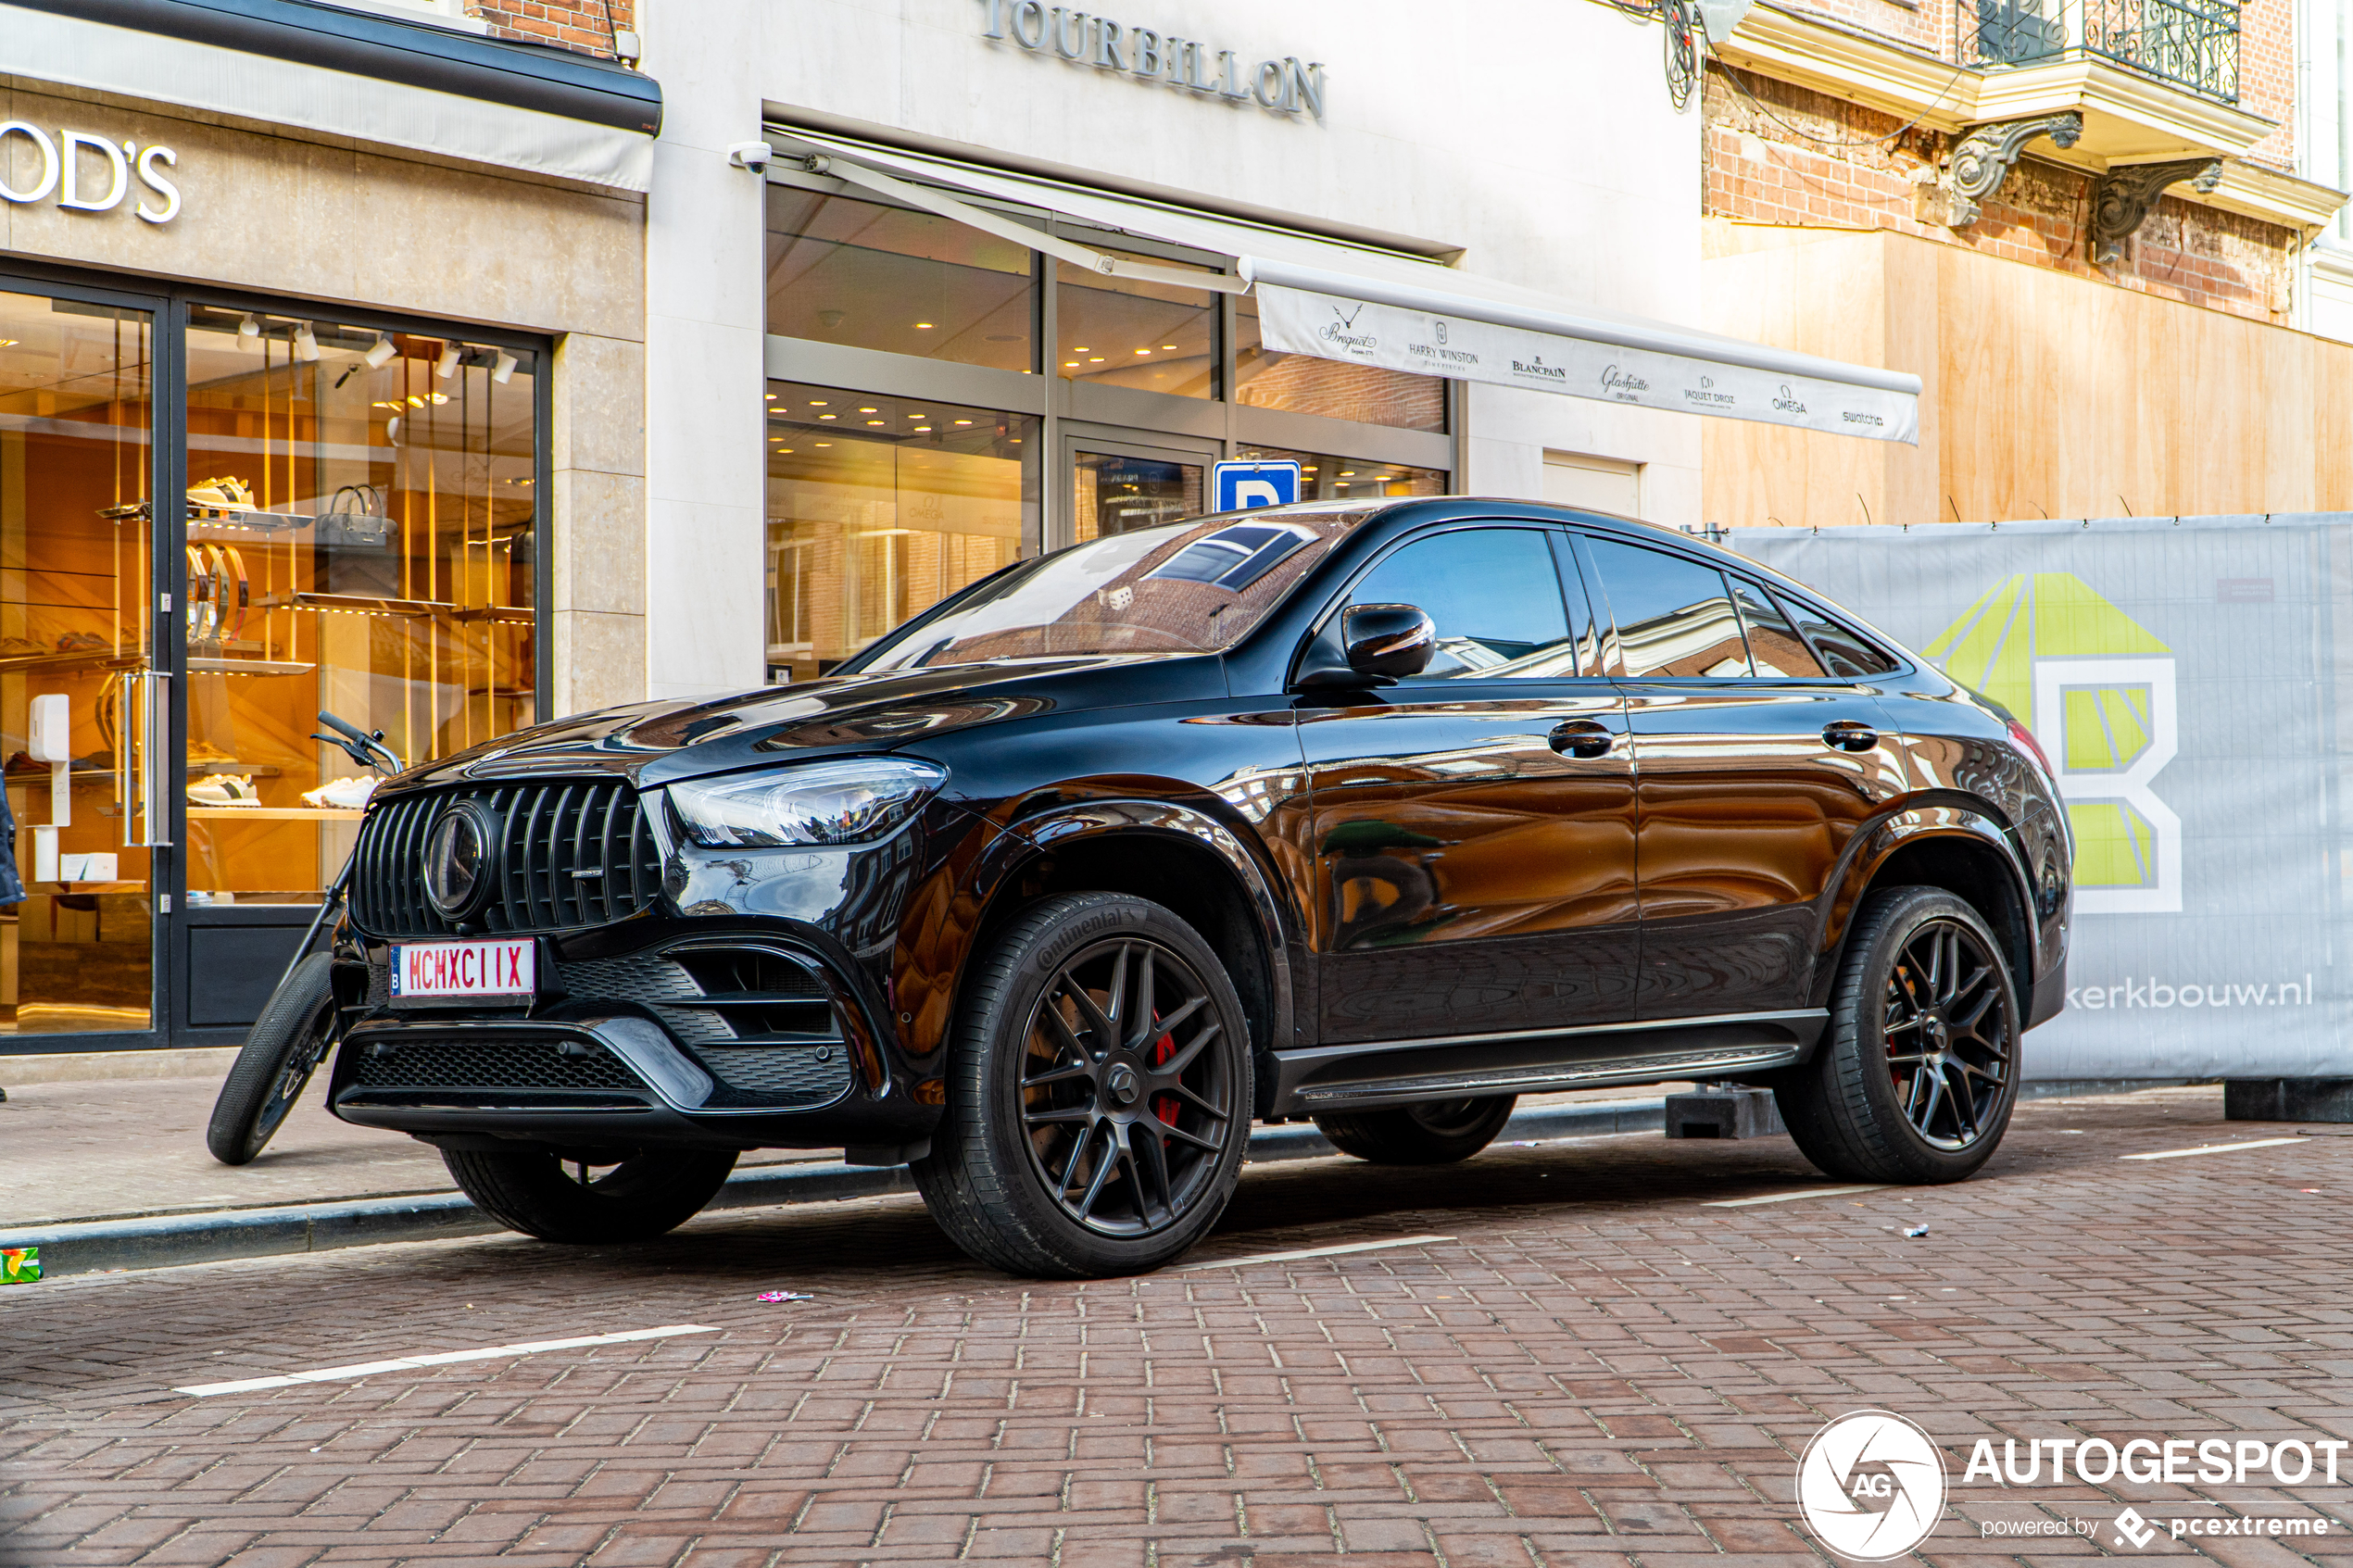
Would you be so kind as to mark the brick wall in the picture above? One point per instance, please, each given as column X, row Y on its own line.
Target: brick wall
column 1779, row 153
column 574, row 24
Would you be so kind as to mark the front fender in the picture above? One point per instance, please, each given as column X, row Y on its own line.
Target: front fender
column 1041, row 832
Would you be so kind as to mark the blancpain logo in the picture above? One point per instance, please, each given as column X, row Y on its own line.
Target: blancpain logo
column 1536, row 366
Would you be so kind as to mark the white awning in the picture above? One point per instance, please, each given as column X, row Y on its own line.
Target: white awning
column 1344, row 302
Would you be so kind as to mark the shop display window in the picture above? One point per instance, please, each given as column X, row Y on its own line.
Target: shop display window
column 1301, row 384
column 1113, row 493
column 361, row 537
column 76, row 467
column 1323, row 477
column 1133, row 333
column 871, row 276
column 879, row 507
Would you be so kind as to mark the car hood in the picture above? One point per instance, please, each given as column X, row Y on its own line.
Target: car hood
column 654, row 743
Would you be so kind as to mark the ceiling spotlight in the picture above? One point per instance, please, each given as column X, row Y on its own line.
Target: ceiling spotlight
column 502, row 368
column 248, row 331
column 305, row 346
column 446, row 366
column 392, row 430
column 380, row 352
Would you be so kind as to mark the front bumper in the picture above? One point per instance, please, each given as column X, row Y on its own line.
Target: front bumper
column 741, row 1038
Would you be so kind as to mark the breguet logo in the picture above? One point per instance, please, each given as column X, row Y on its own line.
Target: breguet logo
column 89, row 173
column 1283, row 86
column 1339, row 330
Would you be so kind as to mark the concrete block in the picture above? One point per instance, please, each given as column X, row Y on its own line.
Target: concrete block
column 1724, row 1113
column 2287, row 1099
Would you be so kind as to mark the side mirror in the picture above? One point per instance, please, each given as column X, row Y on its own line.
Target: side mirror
column 1386, row 643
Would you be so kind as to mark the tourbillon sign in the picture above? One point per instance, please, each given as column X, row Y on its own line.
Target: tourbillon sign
column 1284, row 86
column 91, row 173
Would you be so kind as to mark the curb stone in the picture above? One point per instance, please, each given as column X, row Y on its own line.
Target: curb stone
column 169, row 1241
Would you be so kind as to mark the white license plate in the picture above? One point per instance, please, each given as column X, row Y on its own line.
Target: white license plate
column 424, row 971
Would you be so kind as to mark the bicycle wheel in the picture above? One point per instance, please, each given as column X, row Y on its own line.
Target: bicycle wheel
column 285, row 1047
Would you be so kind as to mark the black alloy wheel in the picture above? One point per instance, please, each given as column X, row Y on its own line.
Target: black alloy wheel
column 1437, row 1132
column 1949, row 1032
column 1099, row 1099
column 1126, row 1108
column 1916, row 1073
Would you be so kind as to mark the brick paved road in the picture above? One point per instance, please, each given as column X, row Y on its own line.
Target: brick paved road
column 1596, row 1369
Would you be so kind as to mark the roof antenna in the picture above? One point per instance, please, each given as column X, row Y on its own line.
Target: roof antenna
column 1948, row 501
column 1865, row 505
column 2125, row 504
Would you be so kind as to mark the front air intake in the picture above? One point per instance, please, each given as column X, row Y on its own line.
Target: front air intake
column 569, row 854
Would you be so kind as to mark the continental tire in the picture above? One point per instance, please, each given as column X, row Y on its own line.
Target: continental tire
column 1434, row 1133
column 538, row 1192
column 1098, row 1094
column 1916, row 1073
column 284, row 1048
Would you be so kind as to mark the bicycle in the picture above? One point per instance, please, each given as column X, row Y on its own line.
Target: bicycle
column 297, row 1027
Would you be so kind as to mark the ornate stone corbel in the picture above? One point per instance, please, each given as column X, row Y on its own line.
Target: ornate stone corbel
column 2126, row 195
column 1981, row 160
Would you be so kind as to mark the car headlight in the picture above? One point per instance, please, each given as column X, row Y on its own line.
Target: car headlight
column 846, row 802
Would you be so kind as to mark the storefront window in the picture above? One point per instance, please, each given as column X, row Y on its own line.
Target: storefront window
column 1111, row 494
column 1325, row 477
column 361, row 537
column 879, row 507
column 1128, row 332
column 871, row 276
column 75, row 541
column 1331, row 388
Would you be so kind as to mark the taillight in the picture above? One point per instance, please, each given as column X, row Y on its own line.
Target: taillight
column 2025, row 737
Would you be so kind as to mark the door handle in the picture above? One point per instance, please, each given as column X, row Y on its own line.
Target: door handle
column 144, row 735
column 1847, row 734
column 1582, row 737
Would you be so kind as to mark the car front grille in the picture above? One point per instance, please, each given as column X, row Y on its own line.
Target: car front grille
column 570, row 854
column 480, row 1065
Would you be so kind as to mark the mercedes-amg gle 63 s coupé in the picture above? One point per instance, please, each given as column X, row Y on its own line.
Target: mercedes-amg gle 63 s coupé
column 1374, row 814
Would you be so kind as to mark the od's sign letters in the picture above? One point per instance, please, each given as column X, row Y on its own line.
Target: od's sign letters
column 87, row 172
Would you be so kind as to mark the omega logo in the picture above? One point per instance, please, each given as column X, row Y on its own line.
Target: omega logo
column 91, row 173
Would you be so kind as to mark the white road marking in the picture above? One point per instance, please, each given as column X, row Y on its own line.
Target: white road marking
column 1316, row 1252
column 407, row 1364
column 1789, row 1197
column 2208, row 1148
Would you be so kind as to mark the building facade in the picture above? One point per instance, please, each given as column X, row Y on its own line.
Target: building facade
column 860, row 404
column 322, row 364
column 2090, row 229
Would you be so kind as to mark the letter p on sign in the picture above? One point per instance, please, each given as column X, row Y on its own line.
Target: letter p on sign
column 1238, row 486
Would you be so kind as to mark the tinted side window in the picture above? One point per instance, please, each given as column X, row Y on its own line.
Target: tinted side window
column 1846, row 653
column 1773, row 644
column 1674, row 618
column 1494, row 596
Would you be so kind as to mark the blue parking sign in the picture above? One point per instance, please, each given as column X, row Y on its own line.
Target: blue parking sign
column 1236, row 486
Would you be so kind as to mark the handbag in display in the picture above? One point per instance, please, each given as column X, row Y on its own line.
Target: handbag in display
column 354, row 515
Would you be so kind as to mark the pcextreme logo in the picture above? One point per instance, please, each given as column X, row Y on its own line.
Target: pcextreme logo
column 2098, row 690
column 1871, row 1485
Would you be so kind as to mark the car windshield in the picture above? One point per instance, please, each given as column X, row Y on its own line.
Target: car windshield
column 1185, row 587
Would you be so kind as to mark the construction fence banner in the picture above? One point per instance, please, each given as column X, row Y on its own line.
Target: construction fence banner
column 2185, row 677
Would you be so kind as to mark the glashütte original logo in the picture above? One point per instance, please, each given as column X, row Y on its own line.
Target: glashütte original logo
column 1871, row 1485
column 1622, row 386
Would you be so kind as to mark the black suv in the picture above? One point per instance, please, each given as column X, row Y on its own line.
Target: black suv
column 1373, row 814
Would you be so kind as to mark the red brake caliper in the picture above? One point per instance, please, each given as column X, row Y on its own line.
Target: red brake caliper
column 1166, row 1106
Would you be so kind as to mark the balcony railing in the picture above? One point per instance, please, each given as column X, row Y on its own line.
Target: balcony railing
column 2192, row 43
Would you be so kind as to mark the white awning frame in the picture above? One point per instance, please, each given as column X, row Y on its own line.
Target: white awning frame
column 1673, row 362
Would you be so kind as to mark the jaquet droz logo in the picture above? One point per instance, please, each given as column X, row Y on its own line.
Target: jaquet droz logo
column 1871, row 1485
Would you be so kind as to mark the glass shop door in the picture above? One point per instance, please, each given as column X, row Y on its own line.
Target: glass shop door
column 360, row 514
column 1120, row 482
column 82, row 703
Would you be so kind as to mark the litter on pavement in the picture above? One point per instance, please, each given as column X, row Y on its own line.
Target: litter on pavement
column 785, row 1295
column 19, row 1265
column 1916, row 1230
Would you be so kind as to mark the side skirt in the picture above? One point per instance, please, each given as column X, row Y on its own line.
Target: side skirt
column 1533, row 1061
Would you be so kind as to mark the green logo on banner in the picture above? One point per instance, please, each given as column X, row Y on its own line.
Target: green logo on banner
column 2096, row 688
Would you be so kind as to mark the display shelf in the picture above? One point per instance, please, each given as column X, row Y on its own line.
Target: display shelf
column 248, row 667
column 498, row 614
column 54, row 888
column 79, row 659
column 274, row 813
column 355, row 604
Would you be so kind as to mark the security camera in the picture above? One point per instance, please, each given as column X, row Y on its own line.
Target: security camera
column 754, row 156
